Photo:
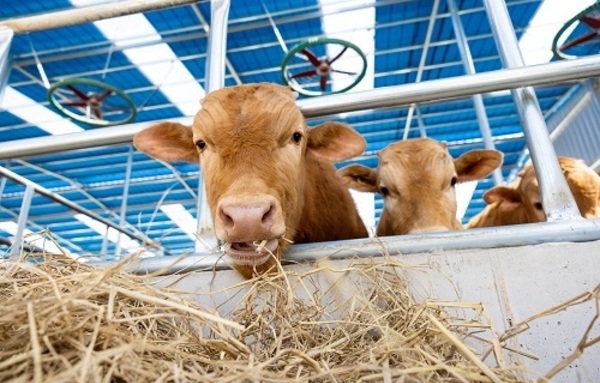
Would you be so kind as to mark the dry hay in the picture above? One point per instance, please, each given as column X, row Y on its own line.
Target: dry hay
column 62, row 321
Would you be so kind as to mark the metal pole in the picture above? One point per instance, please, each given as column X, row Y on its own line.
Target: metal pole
column 558, row 202
column 485, row 238
column 22, row 222
column 420, row 121
column 411, row 108
column 122, row 217
column 467, row 59
column 215, row 79
column 63, row 201
column 87, row 14
column 393, row 96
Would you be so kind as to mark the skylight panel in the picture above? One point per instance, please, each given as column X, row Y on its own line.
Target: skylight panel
column 112, row 235
column 182, row 218
column 171, row 76
column 35, row 114
column 536, row 42
column 35, row 239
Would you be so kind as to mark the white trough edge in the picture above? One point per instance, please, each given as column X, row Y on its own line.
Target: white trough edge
column 581, row 230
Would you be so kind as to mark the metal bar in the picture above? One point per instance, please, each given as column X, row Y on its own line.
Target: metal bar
column 63, row 201
column 80, row 188
column 215, row 79
column 393, row 96
column 420, row 121
column 468, row 64
column 87, row 14
column 486, row 238
column 124, row 199
column 22, row 222
column 421, row 67
column 558, row 202
column 206, row 28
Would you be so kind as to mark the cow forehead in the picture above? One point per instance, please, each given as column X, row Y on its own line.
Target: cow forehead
column 258, row 109
column 420, row 158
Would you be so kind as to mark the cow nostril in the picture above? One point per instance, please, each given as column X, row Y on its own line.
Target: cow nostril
column 269, row 215
column 225, row 218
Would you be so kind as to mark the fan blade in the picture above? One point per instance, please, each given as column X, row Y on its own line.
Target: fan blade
column 97, row 113
column 74, row 103
column 338, row 56
column 79, row 93
column 308, row 73
column 311, row 57
column 344, row 72
column 323, row 83
column 579, row 40
column 592, row 22
column 105, row 94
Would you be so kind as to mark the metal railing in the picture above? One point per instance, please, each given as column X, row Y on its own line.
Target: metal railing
column 556, row 195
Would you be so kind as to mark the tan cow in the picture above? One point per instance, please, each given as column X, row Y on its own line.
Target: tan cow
column 269, row 178
column 522, row 203
column 416, row 179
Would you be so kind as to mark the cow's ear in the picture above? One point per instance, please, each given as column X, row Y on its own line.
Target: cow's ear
column 167, row 141
column 358, row 177
column 476, row 164
column 502, row 193
column 334, row 141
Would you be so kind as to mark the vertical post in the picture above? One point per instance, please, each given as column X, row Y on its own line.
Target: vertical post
column 6, row 36
column 420, row 121
column 125, row 197
column 3, row 181
column 420, row 69
column 22, row 221
column 215, row 79
column 557, row 199
column 468, row 64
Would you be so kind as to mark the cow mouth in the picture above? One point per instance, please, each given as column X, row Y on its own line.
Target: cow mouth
column 251, row 253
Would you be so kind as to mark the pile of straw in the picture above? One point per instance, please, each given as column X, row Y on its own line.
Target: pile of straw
column 62, row 321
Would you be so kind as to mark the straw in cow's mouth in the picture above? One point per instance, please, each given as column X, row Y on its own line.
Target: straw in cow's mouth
column 256, row 252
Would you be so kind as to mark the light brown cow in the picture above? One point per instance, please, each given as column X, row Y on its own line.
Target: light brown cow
column 416, row 179
column 522, row 203
column 268, row 176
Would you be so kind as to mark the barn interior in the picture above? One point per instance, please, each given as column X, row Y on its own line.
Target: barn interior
column 70, row 168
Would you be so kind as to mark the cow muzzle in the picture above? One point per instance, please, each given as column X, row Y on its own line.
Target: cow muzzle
column 250, row 227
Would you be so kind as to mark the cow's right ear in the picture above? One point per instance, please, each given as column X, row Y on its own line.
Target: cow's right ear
column 502, row 193
column 359, row 178
column 167, row 141
column 334, row 141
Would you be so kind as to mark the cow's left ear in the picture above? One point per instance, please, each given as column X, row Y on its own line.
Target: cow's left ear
column 476, row 164
column 334, row 141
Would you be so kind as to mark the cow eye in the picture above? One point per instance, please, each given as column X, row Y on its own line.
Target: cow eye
column 296, row 137
column 201, row 144
column 538, row 205
column 453, row 181
column 384, row 191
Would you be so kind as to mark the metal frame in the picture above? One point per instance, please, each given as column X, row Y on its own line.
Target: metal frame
column 559, row 208
column 393, row 96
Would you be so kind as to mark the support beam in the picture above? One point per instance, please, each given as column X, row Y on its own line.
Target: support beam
column 89, row 14
column 65, row 202
column 558, row 202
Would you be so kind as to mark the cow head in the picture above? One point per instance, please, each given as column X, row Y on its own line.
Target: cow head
column 583, row 182
column 504, row 207
column 252, row 143
column 416, row 179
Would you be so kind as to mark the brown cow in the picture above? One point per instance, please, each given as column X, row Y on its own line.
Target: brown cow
column 416, row 179
column 522, row 203
column 269, row 178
